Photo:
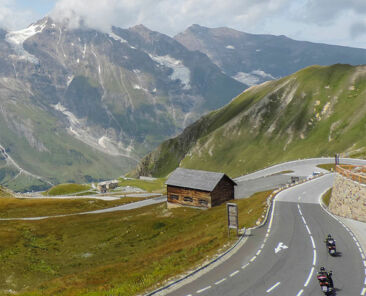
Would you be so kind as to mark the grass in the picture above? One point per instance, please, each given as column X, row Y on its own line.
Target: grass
column 122, row 253
column 326, row 197
column 157, row 185
column 327, row 166
column 4, row 193
column 324, row 114
column 19, row 208
column 66, row 189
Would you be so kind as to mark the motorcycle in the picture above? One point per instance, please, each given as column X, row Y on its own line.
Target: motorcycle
column 326, row 283
column 331, row 247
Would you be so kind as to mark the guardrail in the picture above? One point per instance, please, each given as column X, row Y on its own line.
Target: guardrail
column 348, row 172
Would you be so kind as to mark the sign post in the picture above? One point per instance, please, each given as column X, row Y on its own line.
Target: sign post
column 232, row 217
column 336, row 159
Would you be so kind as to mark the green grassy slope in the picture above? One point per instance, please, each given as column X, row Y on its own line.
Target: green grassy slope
column 121, row 253
column 315, row 112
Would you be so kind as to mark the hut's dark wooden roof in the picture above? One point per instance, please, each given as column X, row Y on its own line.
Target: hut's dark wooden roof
column 195, row 179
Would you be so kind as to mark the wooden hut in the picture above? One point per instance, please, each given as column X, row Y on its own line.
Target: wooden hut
column 199, row 188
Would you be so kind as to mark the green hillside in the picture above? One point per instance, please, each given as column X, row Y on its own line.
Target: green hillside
column 317, row 111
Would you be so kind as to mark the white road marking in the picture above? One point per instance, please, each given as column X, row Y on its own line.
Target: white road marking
column 234, row 273
column 262, row 246
column 314, row 258
column 273, row 287
column 309, row 277
column 363, row 292
column 220, row 281
column 259, row 251
column 281, row 246
column 307, row 228
column 312, row 241
column 251, row 260
column 203, row 290
column 244, row 266
column 273, row 208
column 300, row 292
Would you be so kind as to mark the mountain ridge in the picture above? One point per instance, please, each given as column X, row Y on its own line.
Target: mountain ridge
column 317, row 111
column 105, row 100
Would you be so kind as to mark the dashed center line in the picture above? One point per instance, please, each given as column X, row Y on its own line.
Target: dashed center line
column 234, row 273
column 309, row 277
column 220, row 281
column 273, row 287
column 203, row 290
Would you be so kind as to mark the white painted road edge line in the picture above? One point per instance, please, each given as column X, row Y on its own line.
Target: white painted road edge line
column 300, row 292
column 273, row 287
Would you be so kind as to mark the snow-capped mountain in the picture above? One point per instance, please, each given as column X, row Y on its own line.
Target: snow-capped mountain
column 252, row 59
column 79, row 104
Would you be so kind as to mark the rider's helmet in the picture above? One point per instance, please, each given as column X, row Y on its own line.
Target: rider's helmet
column 329, row 236
column 322, row 269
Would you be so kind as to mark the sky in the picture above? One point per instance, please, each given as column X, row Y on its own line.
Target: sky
column 341, row 22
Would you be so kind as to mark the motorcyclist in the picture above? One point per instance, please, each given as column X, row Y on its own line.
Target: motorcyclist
column 329, row 240
column 329, row 274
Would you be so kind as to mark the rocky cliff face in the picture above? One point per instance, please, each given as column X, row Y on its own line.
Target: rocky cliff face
column 79, row 105
column 348, row 199
column 315, row 112
column 253, row 59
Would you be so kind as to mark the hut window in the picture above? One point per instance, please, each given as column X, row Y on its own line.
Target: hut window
column 203, row 202
column 188, row 199
column 175, row 197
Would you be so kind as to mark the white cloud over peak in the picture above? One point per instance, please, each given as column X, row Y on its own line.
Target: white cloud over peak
column 165, row 15
column 13, row 18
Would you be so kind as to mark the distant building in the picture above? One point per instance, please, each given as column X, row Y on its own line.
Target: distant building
column 199, row 188
column 103, row 187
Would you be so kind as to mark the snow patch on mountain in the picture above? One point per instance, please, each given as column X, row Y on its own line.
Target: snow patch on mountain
column 117, row 38
column 253, row 78
column 79, row 129
column 17, row 38
column 180, row 72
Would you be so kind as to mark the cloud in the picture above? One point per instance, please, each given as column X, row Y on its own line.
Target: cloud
column 325, row 12
column 358, row 29
column 11, row 17
column 166, row 15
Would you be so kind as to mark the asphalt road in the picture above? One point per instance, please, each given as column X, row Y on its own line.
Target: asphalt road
column 270, row 178
column 297, row 228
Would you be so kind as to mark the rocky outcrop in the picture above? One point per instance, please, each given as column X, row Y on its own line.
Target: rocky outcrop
column 348, row 199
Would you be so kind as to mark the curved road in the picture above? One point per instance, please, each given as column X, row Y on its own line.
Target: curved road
column 296, row 228
column 282, row 257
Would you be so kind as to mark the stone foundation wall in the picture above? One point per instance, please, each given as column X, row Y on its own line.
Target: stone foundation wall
column 348, row 199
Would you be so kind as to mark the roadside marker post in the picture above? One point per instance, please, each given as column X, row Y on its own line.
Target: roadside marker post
column 232, row 217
